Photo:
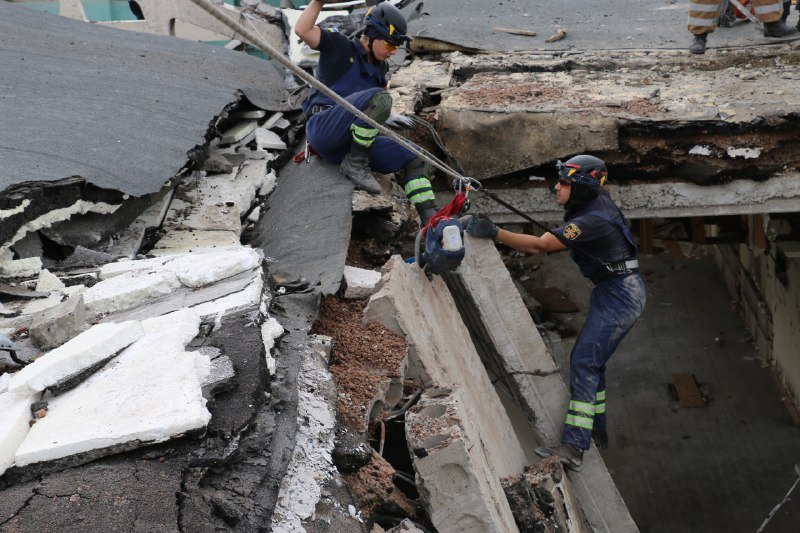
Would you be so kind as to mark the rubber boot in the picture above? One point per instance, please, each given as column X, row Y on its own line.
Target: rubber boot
column 699, row 44
column 356, row 167
column 570, row 455
column 778, row 29
column 426, row 214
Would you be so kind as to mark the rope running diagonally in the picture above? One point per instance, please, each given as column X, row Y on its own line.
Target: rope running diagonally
column 221, row 15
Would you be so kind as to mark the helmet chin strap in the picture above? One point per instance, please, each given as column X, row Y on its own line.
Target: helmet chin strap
column 371, row 52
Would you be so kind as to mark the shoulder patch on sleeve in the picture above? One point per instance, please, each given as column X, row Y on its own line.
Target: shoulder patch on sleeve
column 572, row 231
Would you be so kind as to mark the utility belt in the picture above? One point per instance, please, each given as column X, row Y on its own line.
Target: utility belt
column 317, row 108
column 615, row 269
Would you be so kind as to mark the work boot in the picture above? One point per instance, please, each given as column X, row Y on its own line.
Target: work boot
column 356, row 167
column 600, row 437
column 569, row 454
column 778, row 29
column 699, row 44
column 426, row 214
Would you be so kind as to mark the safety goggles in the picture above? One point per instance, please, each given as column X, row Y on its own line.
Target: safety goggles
column 391, row 45
column 564, row 182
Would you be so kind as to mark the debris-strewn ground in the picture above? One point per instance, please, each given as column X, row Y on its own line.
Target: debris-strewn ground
column 364, row 356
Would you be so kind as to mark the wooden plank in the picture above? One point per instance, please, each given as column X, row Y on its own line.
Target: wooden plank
column 688, row 393
column 646, row 236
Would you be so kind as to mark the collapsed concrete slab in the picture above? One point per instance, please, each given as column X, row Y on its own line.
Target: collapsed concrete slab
column 460, row 490
column 149, row 393
column 509, row 342
column 441, row 354
column 55, row 326
column 311, row 467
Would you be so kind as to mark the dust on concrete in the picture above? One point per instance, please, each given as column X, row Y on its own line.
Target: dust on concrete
column 363, row 357
column 498, row 90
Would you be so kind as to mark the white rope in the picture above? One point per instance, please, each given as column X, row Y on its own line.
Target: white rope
column 276, row 55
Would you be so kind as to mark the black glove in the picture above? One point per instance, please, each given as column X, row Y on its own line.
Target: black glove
column 482, row 226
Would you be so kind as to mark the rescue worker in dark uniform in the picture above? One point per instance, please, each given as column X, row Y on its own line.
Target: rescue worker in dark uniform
column 356, row 69
column 599, row 241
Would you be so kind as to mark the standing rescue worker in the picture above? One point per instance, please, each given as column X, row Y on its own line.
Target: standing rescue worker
column 599, row 241
column 356, row 69
column 704, row 16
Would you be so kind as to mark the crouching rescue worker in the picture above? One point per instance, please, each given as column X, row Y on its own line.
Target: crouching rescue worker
column 356, row 69
column 599, row 241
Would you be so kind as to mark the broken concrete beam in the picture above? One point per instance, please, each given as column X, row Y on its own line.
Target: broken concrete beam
column 542, row 499
column 57, row 325
column 311, row 466
column 246, row 298
column 458, row 486
column 238, row 131
column 508, row 340
column 97, row 344
column 523, row 139
column 359, row 282
column 268, row 140
column 149, row 393
column 15, row 415
column 128, row 290
column 441, row 354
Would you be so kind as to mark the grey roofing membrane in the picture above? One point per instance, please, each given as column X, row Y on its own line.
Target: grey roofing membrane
column 118, row 108
column 590, row 24
column 306, row 227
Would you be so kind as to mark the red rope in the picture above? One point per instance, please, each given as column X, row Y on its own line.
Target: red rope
column 449, row 211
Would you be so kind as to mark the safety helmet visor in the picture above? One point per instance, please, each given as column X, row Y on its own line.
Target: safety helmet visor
column 386, row 30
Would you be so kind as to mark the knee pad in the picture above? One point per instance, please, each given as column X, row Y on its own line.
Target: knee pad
column 379, row 107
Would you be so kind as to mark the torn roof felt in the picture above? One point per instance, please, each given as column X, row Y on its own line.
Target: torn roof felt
column 118, row 108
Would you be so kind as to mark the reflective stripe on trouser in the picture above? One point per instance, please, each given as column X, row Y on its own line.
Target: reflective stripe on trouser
column 329, row 133
column 600, row 405
column 363, row 136
column 614, row 305
column 768, row 10
column 413, row 178
column 419, row 190
column 703, row 15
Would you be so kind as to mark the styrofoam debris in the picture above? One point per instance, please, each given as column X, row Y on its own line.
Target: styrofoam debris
column 15, row 412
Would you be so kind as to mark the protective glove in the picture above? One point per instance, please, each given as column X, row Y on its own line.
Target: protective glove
column 482, row 226
column 399, row 121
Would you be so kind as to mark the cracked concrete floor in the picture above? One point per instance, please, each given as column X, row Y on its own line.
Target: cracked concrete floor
column 719, row 468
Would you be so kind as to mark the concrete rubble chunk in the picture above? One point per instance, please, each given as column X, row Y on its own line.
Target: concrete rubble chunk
column 220, row 376
column 149, row 393
column 246, row 298
column 270, row 181
column 275, row 117
column 15, row 413
column 311, row 465
column 90, row 347
column 268, row 140
column 441, row 354
column 128, row 290
column 4, row 379
column 270, row 331
column 359, row 282
column 543, row 499
column 460, row 490
column 238, row 131
column 21, row 268
column 48, row 282
column 197, row 270
column 57, row 325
